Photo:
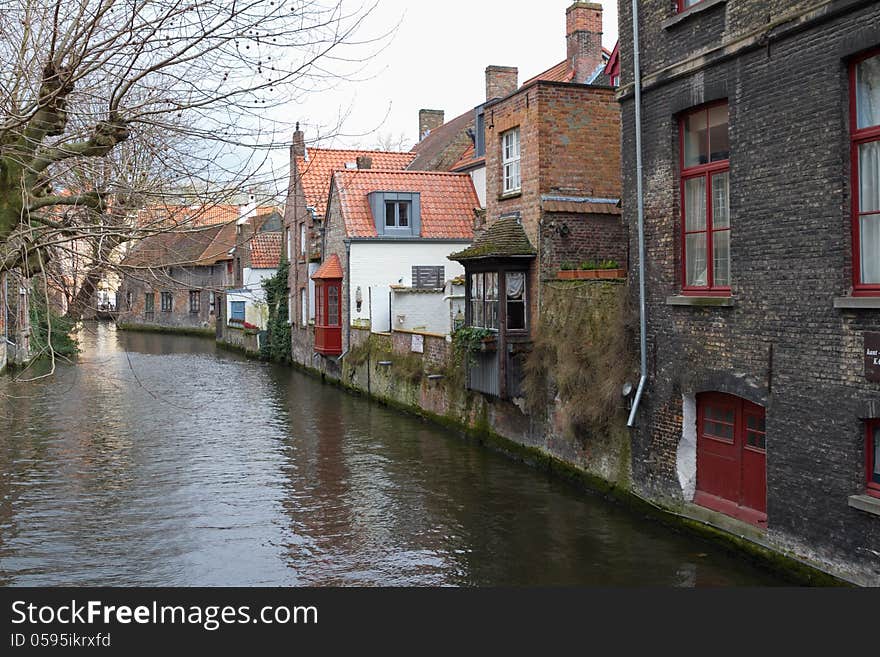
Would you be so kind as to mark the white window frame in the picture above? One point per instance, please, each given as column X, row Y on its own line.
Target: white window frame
column 302, row 239
column 511, row 180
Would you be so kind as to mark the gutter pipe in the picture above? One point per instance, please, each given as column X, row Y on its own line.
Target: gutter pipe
column 640, row 201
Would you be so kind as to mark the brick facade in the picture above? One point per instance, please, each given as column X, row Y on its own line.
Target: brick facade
column 569, row 148
column 780, row 343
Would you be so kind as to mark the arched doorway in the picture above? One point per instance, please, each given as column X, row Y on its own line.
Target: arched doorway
column 732, row 457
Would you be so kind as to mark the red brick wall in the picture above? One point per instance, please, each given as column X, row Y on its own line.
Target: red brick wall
column 569, row 146
column 588, row 237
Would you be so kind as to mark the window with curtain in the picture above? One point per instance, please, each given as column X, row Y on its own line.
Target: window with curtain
column 866, row 166
column 484, row 299
column 705, row 161
column 515, row 283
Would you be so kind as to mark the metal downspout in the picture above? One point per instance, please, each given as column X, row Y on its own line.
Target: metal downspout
column 640, row 202
column 347, row 295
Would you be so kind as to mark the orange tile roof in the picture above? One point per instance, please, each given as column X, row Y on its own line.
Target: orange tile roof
column 266, row 250
column 192, row 216
column 447, row 200
column 331, row 269
column 468, row 161
column 322, row 162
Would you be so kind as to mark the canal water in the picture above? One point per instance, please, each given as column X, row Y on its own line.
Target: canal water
column 160, row 460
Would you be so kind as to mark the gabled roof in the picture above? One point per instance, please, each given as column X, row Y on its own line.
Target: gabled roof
column 192, row 216
column 203, row 246
column 266, row 250
column 330, row 270
column 218, row 249
column 315, row 171
column 505, row 238
column 430, row 152
column 448, row 200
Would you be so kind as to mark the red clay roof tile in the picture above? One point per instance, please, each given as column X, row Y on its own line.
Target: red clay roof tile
column 447, row 200
column 266, row 250
column 316, row 171
column 331, row 269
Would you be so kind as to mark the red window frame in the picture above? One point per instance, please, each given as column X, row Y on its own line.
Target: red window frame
column 870, row 447
column 706, row 171
column 858, row 137
column 681, row 6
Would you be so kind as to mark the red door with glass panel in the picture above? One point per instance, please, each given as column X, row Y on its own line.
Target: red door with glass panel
column 732, row 457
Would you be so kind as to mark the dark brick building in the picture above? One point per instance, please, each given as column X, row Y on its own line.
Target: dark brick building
column 760, row 124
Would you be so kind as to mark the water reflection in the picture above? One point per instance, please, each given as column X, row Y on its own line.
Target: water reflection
column 160, row 460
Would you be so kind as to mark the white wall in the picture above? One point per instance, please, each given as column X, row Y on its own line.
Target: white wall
column 255, row 311
column 431, row 312
column 479, row 178
column 375, row 266
column 686, row 456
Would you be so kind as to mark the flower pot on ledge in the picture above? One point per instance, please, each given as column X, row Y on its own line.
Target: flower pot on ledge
column 488, row 345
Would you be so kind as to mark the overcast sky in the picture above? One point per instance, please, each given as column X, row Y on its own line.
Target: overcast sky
column 437, row 60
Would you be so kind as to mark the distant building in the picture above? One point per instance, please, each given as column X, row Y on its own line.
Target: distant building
column 173, row 280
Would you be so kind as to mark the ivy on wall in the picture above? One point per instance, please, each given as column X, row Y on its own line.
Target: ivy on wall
column 276, row 346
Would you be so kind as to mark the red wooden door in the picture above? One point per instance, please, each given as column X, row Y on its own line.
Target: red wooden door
column 731, row 457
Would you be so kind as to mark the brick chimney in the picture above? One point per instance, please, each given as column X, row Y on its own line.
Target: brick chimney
column 583, row 32
column 364, row 162
column 501, row 81
column 298, row 149
column 429, row 120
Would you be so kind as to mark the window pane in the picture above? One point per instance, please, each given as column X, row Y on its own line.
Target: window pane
column 491, row 286
column 869, row 236
column 721, row 200
column 876, row 442
column 516, row 285
column 868, row 92
column 721, row 258
column 696, row 142
column 719, row 143
column 695, row 204
column 403, row 214
column 389, row 214
column 333, row 306
column 869, row 177
column 695, row 255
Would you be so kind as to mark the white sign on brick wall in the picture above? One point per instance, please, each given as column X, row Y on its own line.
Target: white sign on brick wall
column 418, row 344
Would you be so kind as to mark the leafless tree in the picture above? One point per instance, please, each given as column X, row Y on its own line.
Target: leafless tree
column 98, row 96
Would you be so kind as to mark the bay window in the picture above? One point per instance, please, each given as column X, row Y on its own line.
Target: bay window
column 705, row 200
column 865, row 136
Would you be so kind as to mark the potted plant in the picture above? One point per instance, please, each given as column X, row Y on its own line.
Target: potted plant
column 610, row 269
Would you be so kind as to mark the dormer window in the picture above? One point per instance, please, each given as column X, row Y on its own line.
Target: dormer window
column 396, row 214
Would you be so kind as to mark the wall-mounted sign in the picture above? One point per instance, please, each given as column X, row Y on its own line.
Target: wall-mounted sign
column 418, row 344
column 872, row 357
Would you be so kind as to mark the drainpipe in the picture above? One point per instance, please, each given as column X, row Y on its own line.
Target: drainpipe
column 347, row 295
column 640, row 201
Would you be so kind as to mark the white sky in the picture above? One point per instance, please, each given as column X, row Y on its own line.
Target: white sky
column 437, row 60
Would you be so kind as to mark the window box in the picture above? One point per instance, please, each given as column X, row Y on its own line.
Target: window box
column 489, row 344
